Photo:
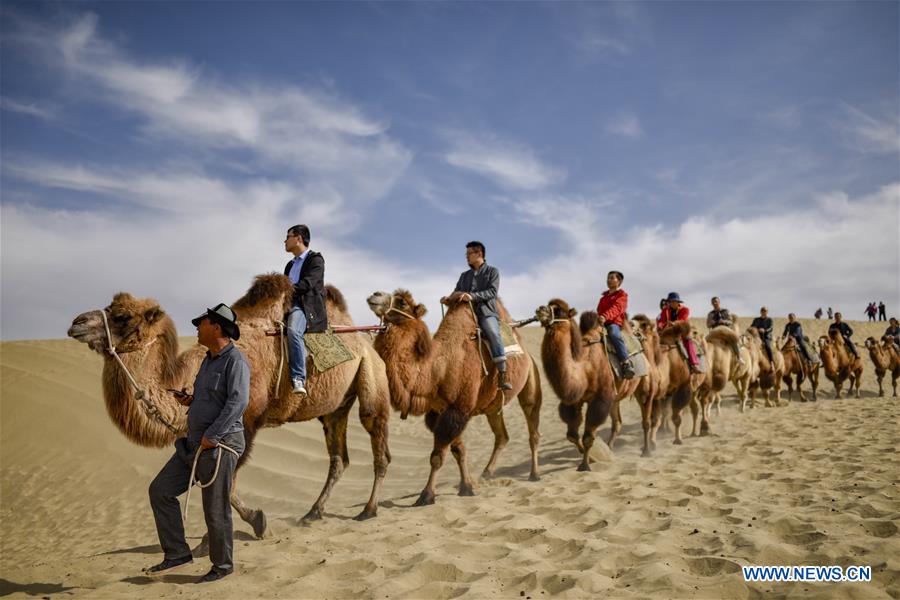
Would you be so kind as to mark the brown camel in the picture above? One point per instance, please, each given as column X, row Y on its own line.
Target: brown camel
column 145, row 337
column 839, row 364
column 885, row 358
column 798, row 368
column 724, row 366
column 579, row 371
column 676, row 382
column 443, row 378
column 769, row 380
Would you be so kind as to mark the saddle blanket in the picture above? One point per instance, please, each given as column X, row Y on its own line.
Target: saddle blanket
column 635, row 353
column 327, row 350
column 510, row 344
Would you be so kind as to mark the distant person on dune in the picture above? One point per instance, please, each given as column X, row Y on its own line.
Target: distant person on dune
column 882, row 314
column 818, row 313
column 830, row 313
column 871, row 311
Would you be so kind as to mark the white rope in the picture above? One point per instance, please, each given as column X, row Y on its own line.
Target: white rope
column 192, row 482
column 284, row 350
column 151, row 408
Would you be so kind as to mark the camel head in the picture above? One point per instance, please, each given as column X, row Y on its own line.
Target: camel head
column 644, row 325
column 871, row 343
column 555, row 311
column 395, row 308
column 134, row 323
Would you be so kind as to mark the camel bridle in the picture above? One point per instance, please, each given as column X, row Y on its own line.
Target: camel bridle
column 392, row 308
column 149, row 407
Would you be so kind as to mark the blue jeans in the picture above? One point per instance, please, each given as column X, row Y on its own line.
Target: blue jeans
column 490, row 329
column 296, row 327
column 615, row 334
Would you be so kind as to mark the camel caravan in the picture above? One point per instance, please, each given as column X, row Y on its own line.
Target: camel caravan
column 473, row 364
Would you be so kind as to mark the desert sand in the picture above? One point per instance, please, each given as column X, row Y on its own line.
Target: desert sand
column 802, row 484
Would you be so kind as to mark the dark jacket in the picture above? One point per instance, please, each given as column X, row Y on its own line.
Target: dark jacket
column 309, row 291
column 843, row 328
column 764, row 326
column 485, row 289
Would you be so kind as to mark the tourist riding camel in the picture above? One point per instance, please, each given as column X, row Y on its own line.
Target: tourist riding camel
column 480, row 286
column 765, row 328
column 893, row 332
column 794, row 329
column 800, row 363
column 721, row 317
column 886, row 359
column 307, row 314
column 611, row 310
column 674, row 312
column 845, row 332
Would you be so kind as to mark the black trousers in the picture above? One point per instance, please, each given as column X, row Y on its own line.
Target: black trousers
column 172, row 481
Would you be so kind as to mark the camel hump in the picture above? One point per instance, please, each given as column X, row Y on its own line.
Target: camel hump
column 676, row 330
column 267, row 289
column 589, row 320
column 334, row 297
column 722, row 334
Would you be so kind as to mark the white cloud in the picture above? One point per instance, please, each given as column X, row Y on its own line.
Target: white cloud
column 626, row 125
column 872, row 134
column 30, row 108
column 508, row 164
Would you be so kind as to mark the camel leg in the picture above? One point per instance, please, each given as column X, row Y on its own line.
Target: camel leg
column 446, row 426
column 571, row 416
column 597, row 411
column 615, row 425
column 655, row 421
column 894, row 378
column 256, row 518
column 718, row 401
column 704, row 423
column 376, row 424
column 880, row 386
column 814, row 384
column 837, row 389
column 680, row 399
column 458, row 449
column 335, row 426
column 696, row 407
column 531, row 399
column 857, row 380
column 646, row 423
column 501, row 438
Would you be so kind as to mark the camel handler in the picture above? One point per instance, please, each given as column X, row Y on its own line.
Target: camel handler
column 845, row 332
column 676, row 311
column 893, row 332
column 794, row 329
column 763, row 324
column 720, row 316
column 480, row 286
column 216, row 431
column 307, row 272
column 611, row 309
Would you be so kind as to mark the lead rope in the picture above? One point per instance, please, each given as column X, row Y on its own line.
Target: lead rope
column 151, row 408
column 196, row 482
column 478, row 333
column 283, row 347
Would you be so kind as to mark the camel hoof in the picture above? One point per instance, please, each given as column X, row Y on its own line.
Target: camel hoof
column 202, row 549
column 311, row 516
column 704, row 432
column 425, row 499
column 258, row 522
column 487, row 474
column 678, row 442
column 366, row 515
column 534, row 477
column 652, row 445
column 645, row 453
column 584, row 467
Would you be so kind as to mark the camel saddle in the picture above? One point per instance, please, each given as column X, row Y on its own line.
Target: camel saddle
column 635, row 354
column 510, row 344
column 326, row 349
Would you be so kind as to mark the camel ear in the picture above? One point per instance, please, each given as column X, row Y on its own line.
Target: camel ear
column 420, row 310
column 572, row 313
column 152, row 315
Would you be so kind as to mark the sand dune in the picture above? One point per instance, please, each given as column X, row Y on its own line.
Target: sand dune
column 804, row 484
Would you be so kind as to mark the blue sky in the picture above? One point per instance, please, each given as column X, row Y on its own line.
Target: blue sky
column 748, row 150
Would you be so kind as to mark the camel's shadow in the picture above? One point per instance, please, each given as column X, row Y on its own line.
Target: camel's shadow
column 8, row 587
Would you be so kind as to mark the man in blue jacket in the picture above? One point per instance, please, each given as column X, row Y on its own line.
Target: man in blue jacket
column 215, row 429
column 480, row 285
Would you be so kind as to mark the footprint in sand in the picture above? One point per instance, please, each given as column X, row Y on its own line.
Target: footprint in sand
column 710, row 566
column 880, row 529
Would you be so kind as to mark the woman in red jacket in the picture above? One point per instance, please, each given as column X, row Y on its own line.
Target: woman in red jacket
column 611, row 309
column 677, row 311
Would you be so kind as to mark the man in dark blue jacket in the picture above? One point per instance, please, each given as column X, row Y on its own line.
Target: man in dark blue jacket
column 845, row 332
column 215, row 429
column 480, row 285
column 307, row 272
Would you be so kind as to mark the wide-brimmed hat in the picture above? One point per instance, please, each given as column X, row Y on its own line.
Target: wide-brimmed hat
column 673, row 296
column 225, row 317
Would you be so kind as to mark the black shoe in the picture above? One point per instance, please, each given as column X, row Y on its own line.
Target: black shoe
column 627, row 370
column 213, row 575
column 168, row 565
column 503, row 383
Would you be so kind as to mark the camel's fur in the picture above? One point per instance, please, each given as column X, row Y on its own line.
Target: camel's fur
column 885, row 359
column 723, row 366
column 651, row 391
column 442, row 378
column 769, row 379
column 146, row 339
column 839, row 364
column 796, row 367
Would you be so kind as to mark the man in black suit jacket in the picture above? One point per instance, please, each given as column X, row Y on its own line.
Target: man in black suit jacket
column 307, row 272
